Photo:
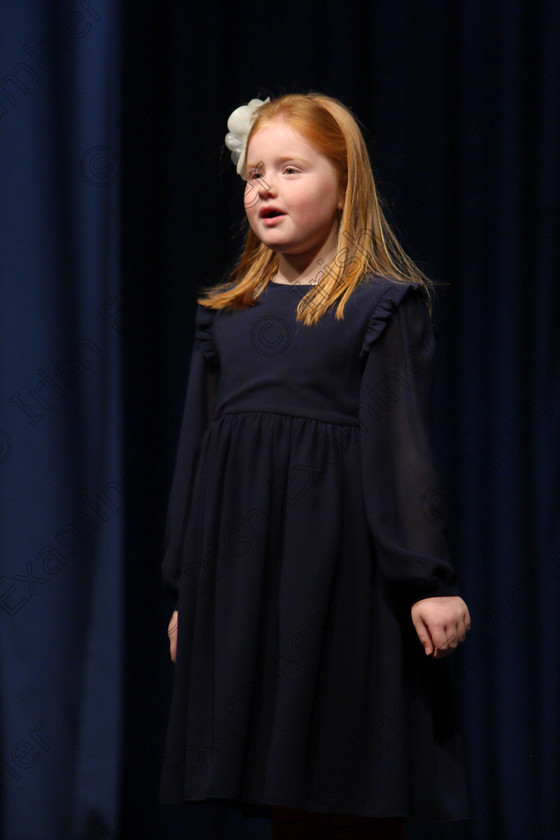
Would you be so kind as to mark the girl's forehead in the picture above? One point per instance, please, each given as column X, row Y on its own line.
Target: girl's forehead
column 278, row 134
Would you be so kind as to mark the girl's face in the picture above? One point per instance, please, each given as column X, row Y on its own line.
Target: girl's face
column 292, row 195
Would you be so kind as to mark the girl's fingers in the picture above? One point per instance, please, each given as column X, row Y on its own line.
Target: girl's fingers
column 446, row 641
column 423, row 634
column 455, row 636
column 172, row 633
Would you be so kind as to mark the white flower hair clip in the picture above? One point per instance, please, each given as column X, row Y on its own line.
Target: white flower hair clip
column 239, row 125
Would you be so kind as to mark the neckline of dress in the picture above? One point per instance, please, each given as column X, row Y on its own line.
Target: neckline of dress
column 291, row 285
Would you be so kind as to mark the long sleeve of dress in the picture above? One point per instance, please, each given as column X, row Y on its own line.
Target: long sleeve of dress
column 199, row 408
column 402, row 489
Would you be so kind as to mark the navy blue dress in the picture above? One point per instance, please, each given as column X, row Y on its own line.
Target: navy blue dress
column 304, row 521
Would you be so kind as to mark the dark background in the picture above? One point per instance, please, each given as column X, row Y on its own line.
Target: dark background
column 117, row 202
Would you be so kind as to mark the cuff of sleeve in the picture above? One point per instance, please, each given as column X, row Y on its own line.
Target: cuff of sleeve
column 172, row 593
column 419, row 589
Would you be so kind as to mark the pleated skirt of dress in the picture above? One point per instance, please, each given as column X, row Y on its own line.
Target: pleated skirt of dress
column 299, row 679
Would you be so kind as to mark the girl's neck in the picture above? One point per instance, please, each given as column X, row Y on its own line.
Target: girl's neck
column 303, row 272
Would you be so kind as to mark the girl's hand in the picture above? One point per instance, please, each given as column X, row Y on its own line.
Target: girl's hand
column 441, row 623
column 172, row 633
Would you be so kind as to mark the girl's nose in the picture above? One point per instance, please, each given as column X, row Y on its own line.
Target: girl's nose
column 258, row 189
column 265, row 186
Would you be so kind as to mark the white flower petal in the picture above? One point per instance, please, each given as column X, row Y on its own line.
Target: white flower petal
column 233, row 143
column 239, row 122
column 239, row 125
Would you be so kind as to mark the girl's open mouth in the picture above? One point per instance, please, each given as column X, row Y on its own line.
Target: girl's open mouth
column 271, row 213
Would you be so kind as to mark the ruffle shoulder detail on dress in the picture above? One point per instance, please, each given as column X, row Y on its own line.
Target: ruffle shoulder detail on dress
column 384, row 309
column 203, row 333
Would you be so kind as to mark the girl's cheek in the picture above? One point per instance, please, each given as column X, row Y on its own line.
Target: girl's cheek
column 250, row 197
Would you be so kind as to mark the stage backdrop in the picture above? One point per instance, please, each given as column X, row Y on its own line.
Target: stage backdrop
column 62, row 485
column 117, row 202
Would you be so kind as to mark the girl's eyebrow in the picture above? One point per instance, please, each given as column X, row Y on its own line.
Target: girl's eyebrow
column 283, row 159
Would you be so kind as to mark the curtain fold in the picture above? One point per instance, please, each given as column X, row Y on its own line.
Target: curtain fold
column 62, row 485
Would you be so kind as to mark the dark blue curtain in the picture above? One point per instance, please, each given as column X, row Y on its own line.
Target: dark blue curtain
column 62, row 484
column 116, row 203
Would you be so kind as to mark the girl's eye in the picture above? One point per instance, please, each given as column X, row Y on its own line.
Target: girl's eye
column 256, row 171
column 290, row 170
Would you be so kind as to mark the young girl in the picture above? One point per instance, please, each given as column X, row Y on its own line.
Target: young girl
column 305, row 554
